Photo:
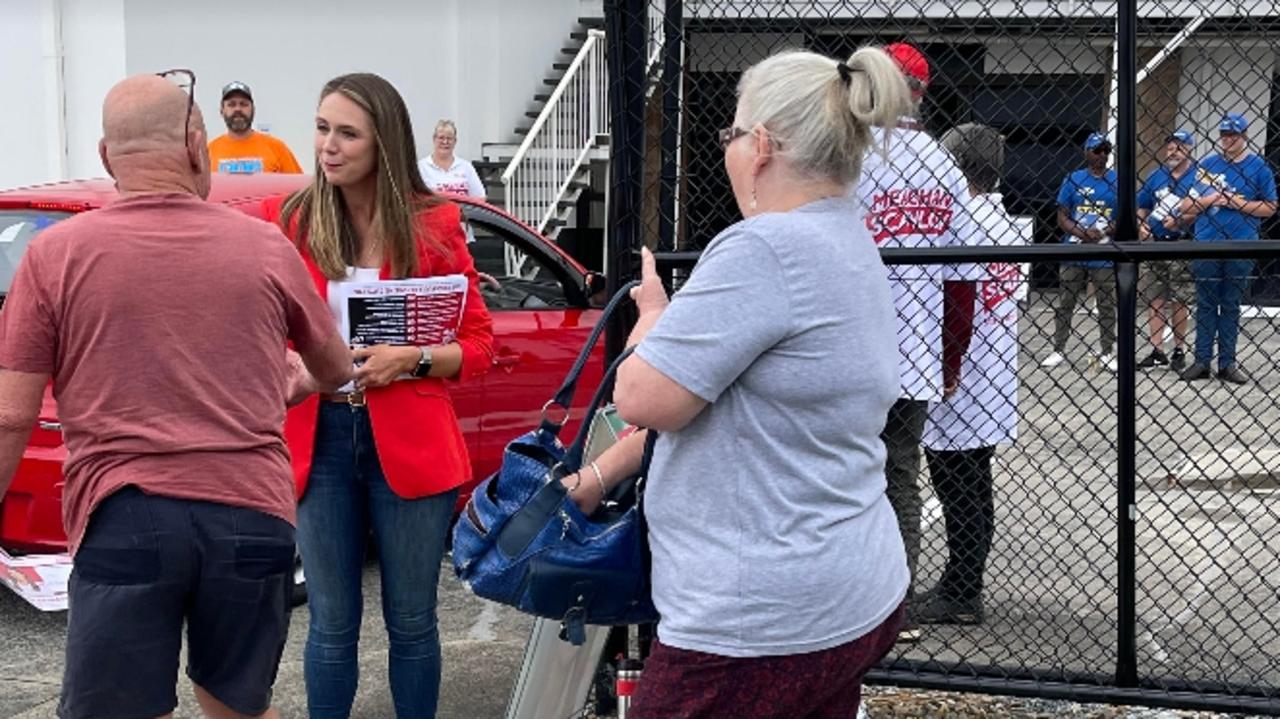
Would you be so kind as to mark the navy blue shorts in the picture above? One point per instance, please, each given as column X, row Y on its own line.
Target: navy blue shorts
column 148, row 564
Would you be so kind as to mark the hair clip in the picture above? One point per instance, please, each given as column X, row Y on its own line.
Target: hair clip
column 846, row 72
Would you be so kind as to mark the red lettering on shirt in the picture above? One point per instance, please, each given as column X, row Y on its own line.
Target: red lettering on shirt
column 1005, row 278
column 910, row 211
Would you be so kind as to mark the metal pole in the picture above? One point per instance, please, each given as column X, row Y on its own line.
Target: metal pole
column 672, row 22
column 626, row 23
column 1126, row 293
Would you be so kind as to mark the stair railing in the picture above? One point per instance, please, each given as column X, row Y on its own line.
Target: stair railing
column 561, row 139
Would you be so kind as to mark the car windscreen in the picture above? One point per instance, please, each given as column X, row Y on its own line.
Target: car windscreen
column 17, row 227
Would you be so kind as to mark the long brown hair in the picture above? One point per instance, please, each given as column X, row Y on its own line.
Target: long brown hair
column 322, row 222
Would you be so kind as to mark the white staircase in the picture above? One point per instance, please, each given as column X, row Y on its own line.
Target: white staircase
column 543, row 177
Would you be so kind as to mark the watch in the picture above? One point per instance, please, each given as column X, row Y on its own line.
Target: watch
column 424, row 364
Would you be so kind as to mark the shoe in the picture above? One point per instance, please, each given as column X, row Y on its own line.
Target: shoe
column 1197, row 370
column 1108, row 361
column 1233, row 374
column 940, row 609
column 1177, row 360
column 1053, row 360
column 910, row 633
column 1155, row 359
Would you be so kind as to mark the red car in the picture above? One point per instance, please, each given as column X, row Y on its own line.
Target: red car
column 543, row 306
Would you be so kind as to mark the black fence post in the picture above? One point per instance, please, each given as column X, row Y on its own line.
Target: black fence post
column 1126, row 469
column 672, row 26
column 1126, row 287
column 626, row 29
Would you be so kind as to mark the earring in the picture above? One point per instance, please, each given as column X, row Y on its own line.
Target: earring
column 753, row 198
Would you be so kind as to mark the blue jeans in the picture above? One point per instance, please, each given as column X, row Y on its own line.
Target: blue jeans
column 347, row 496
column 1220, row 286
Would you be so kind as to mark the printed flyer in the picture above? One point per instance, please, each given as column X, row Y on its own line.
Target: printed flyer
column 40, row 579
column 420, row 311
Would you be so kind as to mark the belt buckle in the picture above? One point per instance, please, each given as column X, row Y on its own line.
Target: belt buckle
column 356, row 398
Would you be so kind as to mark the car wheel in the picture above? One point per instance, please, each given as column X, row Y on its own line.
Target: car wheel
column 298, row 592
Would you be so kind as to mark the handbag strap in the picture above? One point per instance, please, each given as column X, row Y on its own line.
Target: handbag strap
column 563, row 397
column 572, row 461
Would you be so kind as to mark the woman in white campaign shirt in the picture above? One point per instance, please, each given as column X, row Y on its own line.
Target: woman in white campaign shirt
column 962, row 431
column 915, row 196
column 444, row 172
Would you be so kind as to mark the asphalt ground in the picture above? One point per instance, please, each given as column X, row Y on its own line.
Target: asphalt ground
column 483, row 645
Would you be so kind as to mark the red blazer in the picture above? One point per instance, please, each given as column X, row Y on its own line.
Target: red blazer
column 420, row 446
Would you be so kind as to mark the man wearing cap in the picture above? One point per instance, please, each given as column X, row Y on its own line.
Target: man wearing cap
column 1232, row 192
column 916, row 196
column 1167, row 283
column 244, row 151
column 1086, row 214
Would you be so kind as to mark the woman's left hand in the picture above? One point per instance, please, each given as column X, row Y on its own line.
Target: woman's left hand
column 650, row 297
column 379, row 365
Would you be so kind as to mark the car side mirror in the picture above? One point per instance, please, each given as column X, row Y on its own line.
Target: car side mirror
column 594, row 287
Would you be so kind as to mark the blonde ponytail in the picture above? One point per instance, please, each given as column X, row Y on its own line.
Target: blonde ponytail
column 878, row 94
column 820, row 111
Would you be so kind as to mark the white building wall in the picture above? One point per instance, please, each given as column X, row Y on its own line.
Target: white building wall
column 28, row 82
column 93, row 41
column 478, row 62
column 1218, row 80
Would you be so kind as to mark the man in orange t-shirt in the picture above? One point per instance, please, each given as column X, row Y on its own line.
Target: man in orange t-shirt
column 243, row 151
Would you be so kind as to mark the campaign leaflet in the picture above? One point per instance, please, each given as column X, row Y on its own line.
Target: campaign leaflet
column 40, row 579
column 420, row 311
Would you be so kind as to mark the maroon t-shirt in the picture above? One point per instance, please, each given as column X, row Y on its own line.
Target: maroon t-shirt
column 163, row 321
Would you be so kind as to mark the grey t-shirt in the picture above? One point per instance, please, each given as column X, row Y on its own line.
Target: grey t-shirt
column 770, row 529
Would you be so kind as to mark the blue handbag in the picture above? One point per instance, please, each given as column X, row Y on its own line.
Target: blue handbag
column 521, row 541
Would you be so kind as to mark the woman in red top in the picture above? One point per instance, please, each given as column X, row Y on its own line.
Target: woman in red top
column 385, row 454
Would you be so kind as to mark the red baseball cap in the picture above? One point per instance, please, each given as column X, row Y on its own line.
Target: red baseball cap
column 913, row 64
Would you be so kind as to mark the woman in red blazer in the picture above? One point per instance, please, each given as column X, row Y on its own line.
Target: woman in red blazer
column 384, row 455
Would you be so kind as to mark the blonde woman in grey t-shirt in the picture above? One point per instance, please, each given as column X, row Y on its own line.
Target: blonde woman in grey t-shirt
column 778, row 569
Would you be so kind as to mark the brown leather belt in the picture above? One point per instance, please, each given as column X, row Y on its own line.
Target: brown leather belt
column 355, row 399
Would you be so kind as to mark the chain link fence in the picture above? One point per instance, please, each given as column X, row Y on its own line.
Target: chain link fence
column 1131, row 547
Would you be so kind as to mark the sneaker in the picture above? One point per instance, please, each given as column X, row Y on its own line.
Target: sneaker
column 910, row 632
column 1155, row 359
column 1177, row 360
column 1197, row 370
column 1108, row 361
column 1053, row 360
column 940, row 609
column 1233, row 374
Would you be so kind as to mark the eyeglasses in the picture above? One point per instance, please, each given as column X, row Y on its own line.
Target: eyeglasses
column 729, row 134
column 447, row 138
column 1101, row 150
column 186, row 80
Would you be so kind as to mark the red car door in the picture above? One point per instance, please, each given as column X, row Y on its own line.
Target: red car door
column 541, row 319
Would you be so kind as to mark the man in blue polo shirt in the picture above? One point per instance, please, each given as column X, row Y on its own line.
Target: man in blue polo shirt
column 1086, row 214
column 1167, row 283
column 1233, row 191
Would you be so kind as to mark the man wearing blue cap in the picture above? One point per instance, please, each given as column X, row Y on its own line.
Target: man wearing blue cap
column 1086, row 213
column 1233, row 191
column 1167, row 282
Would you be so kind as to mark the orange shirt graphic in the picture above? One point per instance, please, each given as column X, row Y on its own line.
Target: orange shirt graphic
column 257, row 153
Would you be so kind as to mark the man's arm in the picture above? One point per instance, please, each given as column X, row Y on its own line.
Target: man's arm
column 287, row 160
column 329, row 364
column 20, row 396
column 1144, row 231
column 1255, row 208
column 1070, row 226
